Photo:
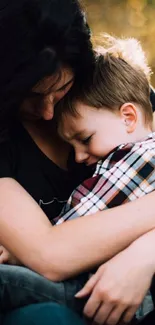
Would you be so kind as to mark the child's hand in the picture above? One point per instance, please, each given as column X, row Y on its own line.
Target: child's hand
column 7, row 258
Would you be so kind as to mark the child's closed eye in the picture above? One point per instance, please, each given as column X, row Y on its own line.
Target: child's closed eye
column 86, row 140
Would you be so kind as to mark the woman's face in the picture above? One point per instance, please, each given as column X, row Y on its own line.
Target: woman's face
column 45, row 95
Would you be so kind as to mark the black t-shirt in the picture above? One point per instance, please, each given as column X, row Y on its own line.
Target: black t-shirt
column 48, row 184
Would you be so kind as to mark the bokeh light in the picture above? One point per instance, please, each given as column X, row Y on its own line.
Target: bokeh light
column 128, row 18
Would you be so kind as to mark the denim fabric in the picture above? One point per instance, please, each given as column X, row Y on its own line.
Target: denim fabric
column 20, row 286
column 1, row 318
column 51, row 314
column 42, row 314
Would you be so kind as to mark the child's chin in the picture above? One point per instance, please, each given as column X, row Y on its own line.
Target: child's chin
column 92, row 163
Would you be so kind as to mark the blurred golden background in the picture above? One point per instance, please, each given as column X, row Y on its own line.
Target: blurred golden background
column 129, row 18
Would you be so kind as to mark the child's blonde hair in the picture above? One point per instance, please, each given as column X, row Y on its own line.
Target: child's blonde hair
column 128, row 49
column 119, row 77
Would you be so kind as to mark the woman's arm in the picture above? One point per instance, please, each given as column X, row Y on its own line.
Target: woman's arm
column 74, row 246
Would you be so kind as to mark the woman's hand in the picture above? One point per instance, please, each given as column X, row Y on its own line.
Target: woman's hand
column 7, row 258
column 120, row 285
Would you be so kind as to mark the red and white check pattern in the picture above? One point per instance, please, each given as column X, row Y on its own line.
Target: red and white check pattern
column 125, row 175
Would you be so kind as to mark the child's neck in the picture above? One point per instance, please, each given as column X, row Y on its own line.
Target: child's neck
column 140, row 133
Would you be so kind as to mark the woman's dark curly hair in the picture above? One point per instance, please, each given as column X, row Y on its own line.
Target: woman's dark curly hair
column 37, row 37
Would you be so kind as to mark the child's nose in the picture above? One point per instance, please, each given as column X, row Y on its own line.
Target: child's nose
column 81, row 157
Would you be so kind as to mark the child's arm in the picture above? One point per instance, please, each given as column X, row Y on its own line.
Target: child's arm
column 78, row 244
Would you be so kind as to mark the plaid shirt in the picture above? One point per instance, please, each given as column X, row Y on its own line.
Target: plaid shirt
column 125, row 175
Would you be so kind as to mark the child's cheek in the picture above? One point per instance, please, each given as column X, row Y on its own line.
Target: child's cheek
column 97, row 149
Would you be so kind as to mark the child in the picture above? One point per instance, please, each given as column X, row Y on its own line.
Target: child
column 108, row 121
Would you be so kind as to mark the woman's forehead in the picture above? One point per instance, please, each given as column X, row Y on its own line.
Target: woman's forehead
column 54, row 82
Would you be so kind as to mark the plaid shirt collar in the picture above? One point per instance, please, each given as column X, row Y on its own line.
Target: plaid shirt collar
column 116, row 154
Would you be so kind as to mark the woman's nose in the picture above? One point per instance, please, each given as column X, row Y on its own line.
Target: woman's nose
column 48, row 107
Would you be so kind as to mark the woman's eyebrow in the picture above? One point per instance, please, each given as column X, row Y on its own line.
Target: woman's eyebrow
column 46, row 93
column 65, row 85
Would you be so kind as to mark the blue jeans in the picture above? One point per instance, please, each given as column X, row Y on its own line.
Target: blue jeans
column 42, row 314
column 20, row 286
column 51, row 314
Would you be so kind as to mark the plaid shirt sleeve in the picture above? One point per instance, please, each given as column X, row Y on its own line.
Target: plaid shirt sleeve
column 125, row 175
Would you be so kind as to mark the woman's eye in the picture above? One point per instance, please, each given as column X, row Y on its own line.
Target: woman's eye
column 63, row 88
column 86, row 140
column 35, row 95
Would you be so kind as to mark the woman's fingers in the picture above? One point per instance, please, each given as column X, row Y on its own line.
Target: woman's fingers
column 116, row 315
column 110, row 315
column 88, row 287
column 129, row 314
column 102, row 313
column 6, row 257
column 2, row 254
column 3, row 258
column 119, row 287
column 92, row 306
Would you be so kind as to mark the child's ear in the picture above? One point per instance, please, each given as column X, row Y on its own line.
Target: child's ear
column 128, row 114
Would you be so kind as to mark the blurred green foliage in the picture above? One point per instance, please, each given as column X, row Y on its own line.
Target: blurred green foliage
column 131, row 18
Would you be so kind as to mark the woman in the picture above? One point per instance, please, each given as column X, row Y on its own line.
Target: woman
column 42, row 40
column 38, row 67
